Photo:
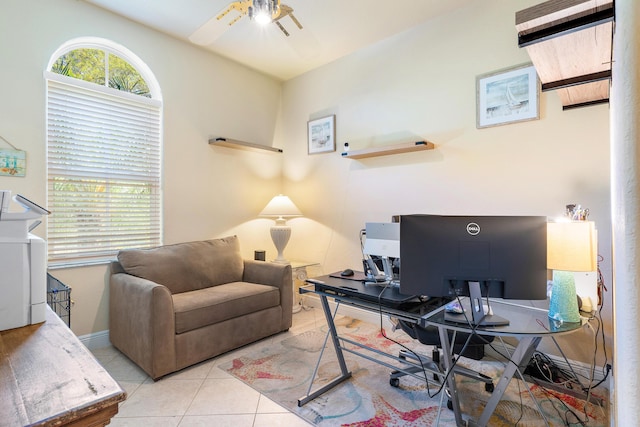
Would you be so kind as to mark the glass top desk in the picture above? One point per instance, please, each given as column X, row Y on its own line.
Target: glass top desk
column 527, row 324
column 345, row 291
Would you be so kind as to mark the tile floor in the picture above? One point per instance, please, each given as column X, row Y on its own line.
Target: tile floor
column 202, row 395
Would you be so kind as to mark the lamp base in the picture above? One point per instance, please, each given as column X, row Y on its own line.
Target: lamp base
column 564, row 300
column 280, row 235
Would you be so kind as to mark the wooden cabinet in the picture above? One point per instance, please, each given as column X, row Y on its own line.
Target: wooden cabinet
column 47, row 377
column 570, row 44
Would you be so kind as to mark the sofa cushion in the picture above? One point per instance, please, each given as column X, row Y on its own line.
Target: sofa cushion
column 204, row 307
column 184, row 267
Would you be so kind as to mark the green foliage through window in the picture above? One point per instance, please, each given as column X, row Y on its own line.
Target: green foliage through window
column 91, row 65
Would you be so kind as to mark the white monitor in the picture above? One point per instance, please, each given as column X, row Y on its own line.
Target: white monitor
column 382, row 239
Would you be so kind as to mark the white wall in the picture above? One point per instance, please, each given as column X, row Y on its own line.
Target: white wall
column 208, row 191
column 421, row 85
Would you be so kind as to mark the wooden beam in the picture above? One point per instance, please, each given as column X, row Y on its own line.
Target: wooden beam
column 588, row 78
column 566, row 27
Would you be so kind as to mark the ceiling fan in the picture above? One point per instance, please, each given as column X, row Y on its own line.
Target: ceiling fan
column 263, row 11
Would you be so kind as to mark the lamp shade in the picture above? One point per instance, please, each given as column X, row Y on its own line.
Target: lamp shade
column 571, row 246
column 282, row 207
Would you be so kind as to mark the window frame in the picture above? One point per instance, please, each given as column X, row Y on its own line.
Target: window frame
column 154, row 102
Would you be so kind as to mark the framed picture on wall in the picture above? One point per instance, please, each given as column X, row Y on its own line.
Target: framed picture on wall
column 322, row 135
column 507, row 96
column 13, row 162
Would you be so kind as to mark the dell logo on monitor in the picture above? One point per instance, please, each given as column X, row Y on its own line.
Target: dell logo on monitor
column 473, row 228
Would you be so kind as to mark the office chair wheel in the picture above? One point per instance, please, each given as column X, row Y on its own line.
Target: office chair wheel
column 449, row 401
column 394, row 382
column 489, row 387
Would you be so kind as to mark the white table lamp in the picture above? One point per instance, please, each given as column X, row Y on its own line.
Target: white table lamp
column 571, row 247
column 280, row 207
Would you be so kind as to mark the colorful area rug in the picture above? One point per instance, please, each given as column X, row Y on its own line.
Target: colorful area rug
column 283, row 370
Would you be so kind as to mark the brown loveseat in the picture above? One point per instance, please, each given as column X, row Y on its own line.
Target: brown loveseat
column 176, row 305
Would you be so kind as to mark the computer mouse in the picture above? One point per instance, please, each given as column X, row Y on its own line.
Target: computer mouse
column 347, row 272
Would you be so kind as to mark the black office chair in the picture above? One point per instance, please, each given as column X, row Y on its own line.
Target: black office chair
column 430, row 336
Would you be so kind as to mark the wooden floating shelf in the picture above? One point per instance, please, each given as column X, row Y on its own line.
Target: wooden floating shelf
column 241, row 145
column 388, row 150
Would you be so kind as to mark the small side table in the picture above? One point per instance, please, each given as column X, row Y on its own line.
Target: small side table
column 300, row 271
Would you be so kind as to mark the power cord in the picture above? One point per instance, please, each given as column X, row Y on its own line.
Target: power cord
column 417, row 357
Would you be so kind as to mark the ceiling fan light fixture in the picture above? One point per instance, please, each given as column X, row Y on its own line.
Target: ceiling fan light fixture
column 264, row 11
column 263, row 18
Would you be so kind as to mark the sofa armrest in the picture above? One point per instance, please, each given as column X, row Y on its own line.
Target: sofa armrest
column 274, row 274
column 141, row 323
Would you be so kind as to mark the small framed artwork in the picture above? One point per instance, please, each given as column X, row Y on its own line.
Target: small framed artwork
column 13, row 162
column 322, row 135
column 507, row 96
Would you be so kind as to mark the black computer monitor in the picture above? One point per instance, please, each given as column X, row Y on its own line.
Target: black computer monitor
column 506, row 256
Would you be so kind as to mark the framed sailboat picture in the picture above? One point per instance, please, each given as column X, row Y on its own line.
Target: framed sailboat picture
column 507, row 96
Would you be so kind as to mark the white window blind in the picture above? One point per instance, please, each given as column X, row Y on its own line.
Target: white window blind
column 104, row 190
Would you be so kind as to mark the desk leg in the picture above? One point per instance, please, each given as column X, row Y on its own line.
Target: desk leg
column 522, row 354
column 450, row 376
column 344, row 372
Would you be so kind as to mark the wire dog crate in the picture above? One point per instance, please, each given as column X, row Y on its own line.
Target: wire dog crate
column 59, row 298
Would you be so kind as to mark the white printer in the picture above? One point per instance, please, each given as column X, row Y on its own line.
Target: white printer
column 23, row 264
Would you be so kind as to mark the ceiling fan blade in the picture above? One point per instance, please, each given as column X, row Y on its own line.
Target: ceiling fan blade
column 209, row 32
column 293, row 18
column 284, row 12
column 287, row 11
column 304, row 43
column 286, row 33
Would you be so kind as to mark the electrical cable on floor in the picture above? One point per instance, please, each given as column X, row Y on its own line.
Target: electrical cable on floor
column 567, row 411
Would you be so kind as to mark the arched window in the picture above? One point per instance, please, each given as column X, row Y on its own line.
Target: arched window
column 104, row 153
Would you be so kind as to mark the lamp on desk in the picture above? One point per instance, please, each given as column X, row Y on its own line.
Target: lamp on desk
column 280, row 207
column 571, row 247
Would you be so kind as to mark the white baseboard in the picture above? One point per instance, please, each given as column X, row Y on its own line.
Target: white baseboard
column 612, row 400
column 95, row 340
